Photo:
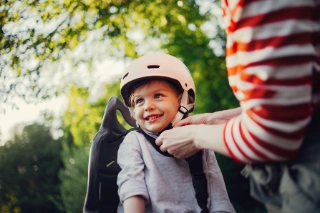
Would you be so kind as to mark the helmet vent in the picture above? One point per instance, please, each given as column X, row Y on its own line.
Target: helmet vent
column 153, row 66
column 125, row 75
column 191, row 96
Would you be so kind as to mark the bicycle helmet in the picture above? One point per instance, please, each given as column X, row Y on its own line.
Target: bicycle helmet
column 160, row 66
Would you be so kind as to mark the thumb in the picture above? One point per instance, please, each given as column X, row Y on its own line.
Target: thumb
column 159, row 141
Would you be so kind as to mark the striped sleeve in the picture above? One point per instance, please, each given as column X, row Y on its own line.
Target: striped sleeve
column 272, row 59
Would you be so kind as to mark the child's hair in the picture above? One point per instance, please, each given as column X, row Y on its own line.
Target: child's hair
column 178, row 90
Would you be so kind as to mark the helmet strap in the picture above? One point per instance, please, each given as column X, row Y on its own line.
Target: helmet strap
column 184, row 108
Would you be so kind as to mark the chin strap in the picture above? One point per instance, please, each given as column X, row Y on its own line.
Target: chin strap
column 199, row 180
column 184, row 108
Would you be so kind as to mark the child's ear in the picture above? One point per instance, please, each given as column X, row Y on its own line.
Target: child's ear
column 133, row 115
column 180, row 97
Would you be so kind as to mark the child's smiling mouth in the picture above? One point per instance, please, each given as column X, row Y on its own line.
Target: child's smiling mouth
column 153, row 117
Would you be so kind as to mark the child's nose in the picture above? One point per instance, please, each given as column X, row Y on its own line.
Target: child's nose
column 149, row 105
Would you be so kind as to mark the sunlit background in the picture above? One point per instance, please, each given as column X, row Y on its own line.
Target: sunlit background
column 27, row 113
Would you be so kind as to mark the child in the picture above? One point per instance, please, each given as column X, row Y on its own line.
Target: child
column 159, row 90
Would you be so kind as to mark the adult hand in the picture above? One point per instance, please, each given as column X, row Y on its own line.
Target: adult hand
column 179, row 142
column 182, row 142
column 191, row 135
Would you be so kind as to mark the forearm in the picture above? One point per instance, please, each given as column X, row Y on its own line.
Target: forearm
column 135, row 204
column 223, row 116
column 210, row 118
column 213, row 140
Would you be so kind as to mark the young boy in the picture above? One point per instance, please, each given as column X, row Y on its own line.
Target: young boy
column 159, row 90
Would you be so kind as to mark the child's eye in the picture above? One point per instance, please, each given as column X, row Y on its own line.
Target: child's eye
column 158, row 95
column 139, row 100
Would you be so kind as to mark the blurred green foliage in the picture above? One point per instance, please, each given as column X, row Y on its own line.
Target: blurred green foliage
column 29, row 167
column 46, row 33
column 74, row 178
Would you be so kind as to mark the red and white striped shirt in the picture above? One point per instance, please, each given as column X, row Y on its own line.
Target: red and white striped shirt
column 273, row 63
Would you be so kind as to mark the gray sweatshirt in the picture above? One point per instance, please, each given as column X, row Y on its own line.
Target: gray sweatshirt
column 165, row 182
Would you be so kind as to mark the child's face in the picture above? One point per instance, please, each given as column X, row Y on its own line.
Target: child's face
column 156, row 105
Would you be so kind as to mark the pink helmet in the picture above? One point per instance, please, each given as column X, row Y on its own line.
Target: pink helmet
column 160, row 66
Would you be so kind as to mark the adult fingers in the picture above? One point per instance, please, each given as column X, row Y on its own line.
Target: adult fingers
column 160, row 142
column 183, row 122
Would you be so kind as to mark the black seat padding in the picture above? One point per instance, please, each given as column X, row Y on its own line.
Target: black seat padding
column 102, row 191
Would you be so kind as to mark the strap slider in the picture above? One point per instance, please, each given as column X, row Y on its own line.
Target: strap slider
column 183, row 110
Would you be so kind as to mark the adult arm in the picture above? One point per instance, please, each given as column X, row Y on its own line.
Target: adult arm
column 210, row 118
column 193, row 133
column 185, row 141
column 270, row 59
